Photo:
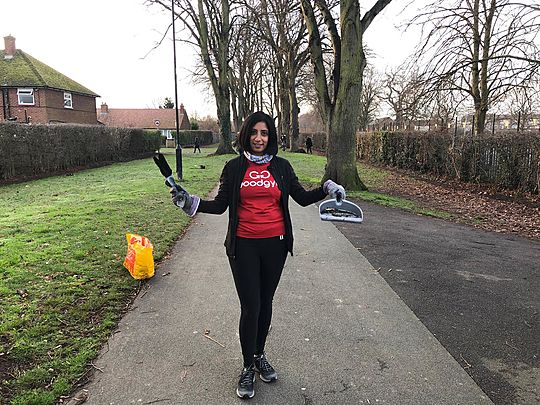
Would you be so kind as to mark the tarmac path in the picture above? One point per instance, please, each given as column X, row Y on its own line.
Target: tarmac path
column 478, row 292
column 340, row 334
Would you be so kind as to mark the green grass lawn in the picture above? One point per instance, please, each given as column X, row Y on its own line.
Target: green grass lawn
column 62, row 244
column 310, row 169
column 62, row 284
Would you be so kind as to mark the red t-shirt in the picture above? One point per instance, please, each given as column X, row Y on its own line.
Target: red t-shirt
column 259, row 211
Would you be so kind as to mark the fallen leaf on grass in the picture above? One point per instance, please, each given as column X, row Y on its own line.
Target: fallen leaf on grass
column 22, row 293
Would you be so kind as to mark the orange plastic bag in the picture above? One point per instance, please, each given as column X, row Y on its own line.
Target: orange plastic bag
column 139, row 259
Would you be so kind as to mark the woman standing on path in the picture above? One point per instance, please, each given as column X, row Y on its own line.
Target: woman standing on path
column 255, row 187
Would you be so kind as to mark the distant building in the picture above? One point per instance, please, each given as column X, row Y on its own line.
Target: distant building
column 162, row 119
column 384, row 123
column 510, row 121
column 33, row 92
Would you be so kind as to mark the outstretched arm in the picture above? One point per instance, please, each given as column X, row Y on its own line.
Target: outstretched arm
column 221, row 201
column 300, row 194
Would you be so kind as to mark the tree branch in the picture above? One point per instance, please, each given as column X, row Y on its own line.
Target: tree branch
column 372, row 13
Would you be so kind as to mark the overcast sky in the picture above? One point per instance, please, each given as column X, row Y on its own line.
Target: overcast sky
column 106, row 45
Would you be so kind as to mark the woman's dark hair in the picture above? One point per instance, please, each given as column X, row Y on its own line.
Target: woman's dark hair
column 242, row 139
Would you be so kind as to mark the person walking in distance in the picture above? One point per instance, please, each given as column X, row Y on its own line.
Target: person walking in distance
column 197, row 145
column 283, row 142
column 309, row 145
column 255, row 187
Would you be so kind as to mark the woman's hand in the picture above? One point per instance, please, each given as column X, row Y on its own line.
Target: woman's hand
column 334, row 190
column 181, row 198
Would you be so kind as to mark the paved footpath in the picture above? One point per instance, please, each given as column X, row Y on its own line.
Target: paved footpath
column 340, row 335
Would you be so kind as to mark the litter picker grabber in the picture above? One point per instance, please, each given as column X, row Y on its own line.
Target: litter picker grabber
column 166, row 171
column 340, row 210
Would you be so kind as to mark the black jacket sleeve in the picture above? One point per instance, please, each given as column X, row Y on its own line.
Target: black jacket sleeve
column 299, row 193
column 221, row 201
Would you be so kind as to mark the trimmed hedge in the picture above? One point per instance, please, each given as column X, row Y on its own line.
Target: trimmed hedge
column 28, row 151
column 511, row 161
column 187, row 137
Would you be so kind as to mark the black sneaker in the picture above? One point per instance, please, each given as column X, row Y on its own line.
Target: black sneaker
column 245, row 384
column 265, row 369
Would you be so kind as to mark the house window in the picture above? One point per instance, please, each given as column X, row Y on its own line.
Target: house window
column 68, row 101
column 26, row 96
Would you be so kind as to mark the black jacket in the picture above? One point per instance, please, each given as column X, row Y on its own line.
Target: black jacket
column 228, row 196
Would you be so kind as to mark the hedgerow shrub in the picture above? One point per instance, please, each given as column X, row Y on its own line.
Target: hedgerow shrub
column 40, row 150
column 507, row 160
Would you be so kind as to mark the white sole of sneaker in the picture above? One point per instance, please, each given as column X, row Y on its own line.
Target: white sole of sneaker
column 245, row 396
column 267, row 381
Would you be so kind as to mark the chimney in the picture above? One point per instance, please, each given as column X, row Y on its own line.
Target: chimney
column 181, row 109
column 104, row 108
column 9, row 44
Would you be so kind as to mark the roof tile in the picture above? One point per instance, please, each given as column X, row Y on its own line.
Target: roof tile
column 25, row 70
column 143, row 118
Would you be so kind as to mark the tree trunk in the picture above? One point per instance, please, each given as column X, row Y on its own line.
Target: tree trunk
column 342, row 125
column 295, row 126
column 294, row 110
column 341, row 150
column 481, row 112
column 219, row 79
column 236, row 118
column 480, row 115
column 285, row 121
column 224, row 117
column 223, row 95
column 399, row 118
column 341, row 107
column 275, row 85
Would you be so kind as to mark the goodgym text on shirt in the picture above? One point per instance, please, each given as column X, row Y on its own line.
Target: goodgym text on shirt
column 259, row 179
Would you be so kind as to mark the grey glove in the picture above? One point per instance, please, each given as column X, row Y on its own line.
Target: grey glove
column 334, row 190
column 181, row 198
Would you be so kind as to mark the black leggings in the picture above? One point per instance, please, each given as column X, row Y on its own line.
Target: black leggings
column 256, row 270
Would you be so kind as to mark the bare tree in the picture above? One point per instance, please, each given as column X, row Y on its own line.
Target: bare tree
column 340, row 105
column 206, row 123
column 369, row 98
column 479, row 48
column 405, row 93
column 248, row 71
column 443, row 107
column 311, row 121
column 280, row 25
column 307, row 92
column 522, row 103
column 208, row 25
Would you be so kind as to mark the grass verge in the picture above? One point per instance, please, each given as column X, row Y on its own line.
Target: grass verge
column 62, row 244
column 62, row 284
column 310, row 169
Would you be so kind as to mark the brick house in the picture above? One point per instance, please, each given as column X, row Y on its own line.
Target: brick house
column 162, row 119
column 33, row 92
